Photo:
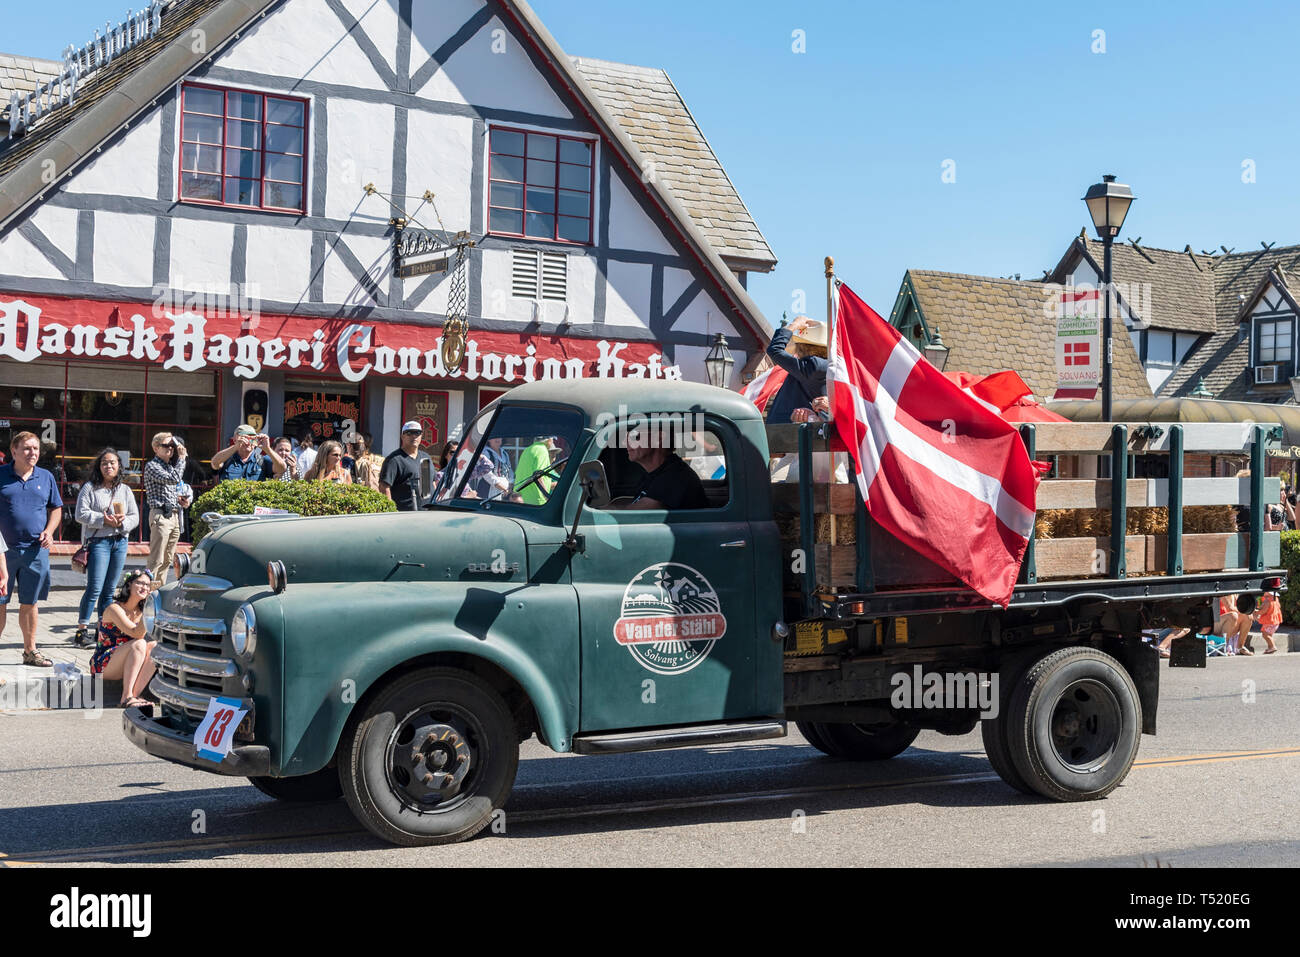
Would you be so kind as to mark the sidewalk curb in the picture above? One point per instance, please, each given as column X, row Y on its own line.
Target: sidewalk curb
column 23, row 689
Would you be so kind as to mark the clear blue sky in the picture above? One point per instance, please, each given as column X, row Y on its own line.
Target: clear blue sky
column 840, row 150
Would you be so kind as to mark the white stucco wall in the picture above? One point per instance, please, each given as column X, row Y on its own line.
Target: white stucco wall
column 59, row 226
column 375, row 256
column 629, row 226
column 279, row 263
column 124, row 249
column 433, row 24
column 18, row 257
column 493, row 70
column 627, row 297
column 703, row 315
column 119, row 171
column 200, row 253
column 360, row 152
column 304, row 40
column 440, row 158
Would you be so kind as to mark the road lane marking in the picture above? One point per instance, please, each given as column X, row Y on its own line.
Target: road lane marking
column 109, row 852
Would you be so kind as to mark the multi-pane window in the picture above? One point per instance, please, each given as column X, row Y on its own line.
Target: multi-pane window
column 1274, row 343
column 540, row 186
column 243, row 149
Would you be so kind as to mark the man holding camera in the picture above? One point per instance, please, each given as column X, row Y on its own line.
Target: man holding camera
column 162, row 475
column 250, row 456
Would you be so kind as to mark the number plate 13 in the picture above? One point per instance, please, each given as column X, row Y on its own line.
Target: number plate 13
column 213, row 737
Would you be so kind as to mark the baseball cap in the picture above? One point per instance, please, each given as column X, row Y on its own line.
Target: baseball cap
column 412, row 426
column 245, row 430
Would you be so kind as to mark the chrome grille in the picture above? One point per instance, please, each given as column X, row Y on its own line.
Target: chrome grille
column 191, row 668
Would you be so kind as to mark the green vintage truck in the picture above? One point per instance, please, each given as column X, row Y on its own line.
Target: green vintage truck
column 401, row 659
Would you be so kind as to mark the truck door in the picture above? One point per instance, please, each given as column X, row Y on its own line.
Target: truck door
column 666, row 597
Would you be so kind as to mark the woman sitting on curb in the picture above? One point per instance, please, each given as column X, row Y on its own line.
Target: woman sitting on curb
column 123, row 651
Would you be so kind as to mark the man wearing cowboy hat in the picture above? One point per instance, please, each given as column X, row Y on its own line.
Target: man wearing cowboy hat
column 805, row 382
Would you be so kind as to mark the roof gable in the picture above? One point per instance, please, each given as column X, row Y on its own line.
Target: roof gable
column 652, row 112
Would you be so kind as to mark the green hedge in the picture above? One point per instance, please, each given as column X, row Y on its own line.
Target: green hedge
column 240, row 497
column 1291, row 562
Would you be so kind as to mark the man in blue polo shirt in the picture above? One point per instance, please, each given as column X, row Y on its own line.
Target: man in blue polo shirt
column 30, row 510
column 243, row 459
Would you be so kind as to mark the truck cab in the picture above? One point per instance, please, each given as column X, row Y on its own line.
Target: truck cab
column 402, row 657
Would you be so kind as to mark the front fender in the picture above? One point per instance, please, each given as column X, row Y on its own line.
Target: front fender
column 340, row 639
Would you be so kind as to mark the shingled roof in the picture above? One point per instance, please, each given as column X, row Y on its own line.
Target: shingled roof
column 648, row 106
column 22, row 74
column 993, row 324
column 1177, row 287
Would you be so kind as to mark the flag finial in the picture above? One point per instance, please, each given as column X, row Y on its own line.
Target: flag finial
column 830, row 267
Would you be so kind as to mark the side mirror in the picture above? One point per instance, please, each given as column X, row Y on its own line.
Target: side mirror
column 591, row 476
column 426, row 480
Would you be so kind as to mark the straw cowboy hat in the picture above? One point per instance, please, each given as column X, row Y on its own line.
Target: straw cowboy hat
column 814, row 335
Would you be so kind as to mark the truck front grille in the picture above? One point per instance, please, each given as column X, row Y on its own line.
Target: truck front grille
column 192, row 669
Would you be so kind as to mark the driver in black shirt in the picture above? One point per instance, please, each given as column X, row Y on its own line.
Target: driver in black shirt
column 669, row 482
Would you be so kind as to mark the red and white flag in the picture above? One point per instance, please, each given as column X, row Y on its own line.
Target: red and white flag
column 937, row 469
column 763, row 387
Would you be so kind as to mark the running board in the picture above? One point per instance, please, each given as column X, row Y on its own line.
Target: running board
column 681, row 737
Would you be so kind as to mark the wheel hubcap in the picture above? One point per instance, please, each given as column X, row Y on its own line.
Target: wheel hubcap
column 431, row 759
column 1085, row 725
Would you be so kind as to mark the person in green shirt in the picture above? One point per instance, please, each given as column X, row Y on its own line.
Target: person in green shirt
column 536, row 456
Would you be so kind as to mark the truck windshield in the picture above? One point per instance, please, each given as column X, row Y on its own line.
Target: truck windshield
column 515, row 454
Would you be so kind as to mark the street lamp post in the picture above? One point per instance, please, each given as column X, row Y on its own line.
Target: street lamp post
column 1108, row 203
column 718, row 363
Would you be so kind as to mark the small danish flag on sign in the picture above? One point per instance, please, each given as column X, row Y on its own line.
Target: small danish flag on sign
column 938, row 469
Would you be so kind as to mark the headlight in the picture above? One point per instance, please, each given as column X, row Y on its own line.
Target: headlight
column 243, row 631
column 180, row 565
column 152, row 605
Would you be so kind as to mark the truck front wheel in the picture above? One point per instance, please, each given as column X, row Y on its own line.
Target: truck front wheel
column 858, row 742
column 432, row 758
column 1074, row 725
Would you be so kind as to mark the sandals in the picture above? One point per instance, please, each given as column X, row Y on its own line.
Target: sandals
column 135, row 702
column 36, row 660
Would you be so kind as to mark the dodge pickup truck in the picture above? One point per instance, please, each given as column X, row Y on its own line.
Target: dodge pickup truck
column 400, row 659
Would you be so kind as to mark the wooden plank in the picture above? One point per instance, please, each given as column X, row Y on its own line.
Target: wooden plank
column 782, row 439
column 1215, row 551
column 1067, row 438
column 1215, row 491
column 1206, row 437
column 1090, row 493
column 836, row 499
column 1086, row 557
column 894, row 567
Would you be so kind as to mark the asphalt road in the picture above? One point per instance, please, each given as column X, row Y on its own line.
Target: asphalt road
column 1215, row 787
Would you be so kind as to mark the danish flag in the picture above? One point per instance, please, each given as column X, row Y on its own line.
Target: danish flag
column 763, row 387
column 937, row 468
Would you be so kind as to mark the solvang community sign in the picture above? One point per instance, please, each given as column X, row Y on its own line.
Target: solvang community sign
column 36, row 327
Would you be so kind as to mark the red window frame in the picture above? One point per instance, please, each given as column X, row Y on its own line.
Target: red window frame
column 555, row 189
column 261, row 150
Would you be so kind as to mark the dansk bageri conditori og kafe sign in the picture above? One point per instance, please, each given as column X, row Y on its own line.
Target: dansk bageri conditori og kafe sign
column 38, row 327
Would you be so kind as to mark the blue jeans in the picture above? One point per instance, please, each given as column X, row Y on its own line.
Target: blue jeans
column 107, row 559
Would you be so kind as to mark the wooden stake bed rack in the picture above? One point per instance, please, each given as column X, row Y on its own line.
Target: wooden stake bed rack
column 1147, row 527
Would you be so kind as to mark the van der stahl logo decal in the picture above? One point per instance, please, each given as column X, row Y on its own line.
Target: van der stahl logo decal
column 671, row 618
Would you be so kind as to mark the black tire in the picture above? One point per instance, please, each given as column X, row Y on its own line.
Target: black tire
column 813, row 735
column 1074, row 725
column 861, row 742
column 994, row 733
column 464, row 726
column 322, row 786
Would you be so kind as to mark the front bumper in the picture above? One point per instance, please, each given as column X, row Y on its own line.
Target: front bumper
column 155, row 736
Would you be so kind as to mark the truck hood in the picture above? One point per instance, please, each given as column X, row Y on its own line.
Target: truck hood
column 451, row 546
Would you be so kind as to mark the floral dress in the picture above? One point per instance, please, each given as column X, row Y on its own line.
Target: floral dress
column 110, row 636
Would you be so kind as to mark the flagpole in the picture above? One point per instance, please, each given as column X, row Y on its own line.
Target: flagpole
column 830, row 333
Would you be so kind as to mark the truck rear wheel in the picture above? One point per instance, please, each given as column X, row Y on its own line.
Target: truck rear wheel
column 858, row 742
column 322, row 786
column 432, row 758
column 1074, row 725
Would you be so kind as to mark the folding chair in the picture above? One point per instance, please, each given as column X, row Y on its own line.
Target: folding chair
column 1215, row 646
